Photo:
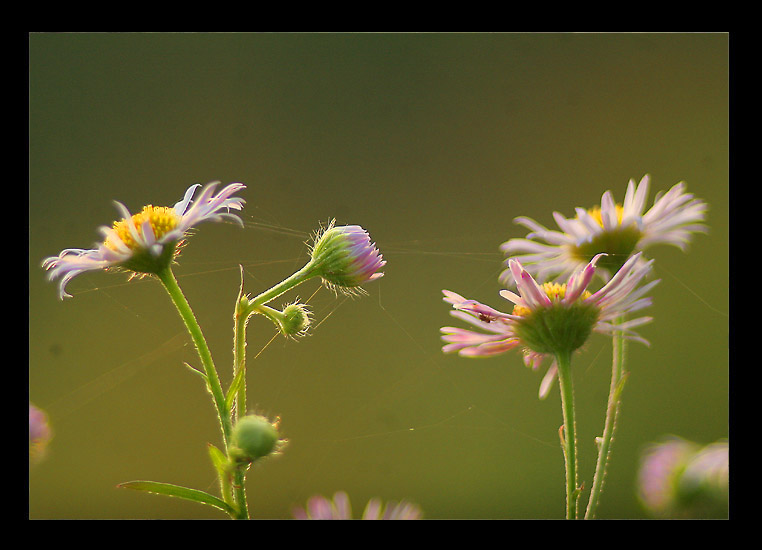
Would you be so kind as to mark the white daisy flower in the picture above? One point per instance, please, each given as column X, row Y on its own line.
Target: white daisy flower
column 613, row 229
column 550, row 318
column 148, row 241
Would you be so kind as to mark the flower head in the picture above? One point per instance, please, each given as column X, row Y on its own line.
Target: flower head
column 681, row 479
column 319, row 507
column 613, row 229
column 551, row 318
column 345, row 258
column 148, row 241
column 40, row 434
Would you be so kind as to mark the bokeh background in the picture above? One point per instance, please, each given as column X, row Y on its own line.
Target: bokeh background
column 433, row 143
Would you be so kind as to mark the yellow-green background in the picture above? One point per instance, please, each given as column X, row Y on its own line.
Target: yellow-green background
column 433, row 143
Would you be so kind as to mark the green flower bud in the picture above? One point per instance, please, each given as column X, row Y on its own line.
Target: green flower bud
column 254, row 437
column 292, row 322
column 295, row 320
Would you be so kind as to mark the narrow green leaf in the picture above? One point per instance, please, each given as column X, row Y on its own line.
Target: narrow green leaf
column 620, row 386
column 220, row 463
column 219, row 460
column 196, row 371
column 235, row 385
column 170, row 490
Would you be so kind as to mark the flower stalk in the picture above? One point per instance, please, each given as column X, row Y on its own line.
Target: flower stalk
column 167, row 278
column 618, row 378
column 569, row 433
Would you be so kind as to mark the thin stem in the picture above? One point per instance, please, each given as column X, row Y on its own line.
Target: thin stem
column 569, row 433
column 297, row 278
column 213, row 382
column 178, row 298
column 618, row 377
column 243, row 310
column 240, row 319
column 239, row 483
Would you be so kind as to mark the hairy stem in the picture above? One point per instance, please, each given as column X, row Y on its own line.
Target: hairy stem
column 618, row 377
column 569, row 433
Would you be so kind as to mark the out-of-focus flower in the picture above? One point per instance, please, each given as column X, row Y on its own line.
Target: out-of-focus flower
column 617, row 230
column 40, row 434
column 549, row 319
column 345, row 258
column 319, row 507
column 148, row 241
column 681, row 479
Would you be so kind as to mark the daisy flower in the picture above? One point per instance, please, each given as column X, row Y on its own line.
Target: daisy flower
column 319, row 507
column 148, row 241
column 614, row 229
column 551, row 318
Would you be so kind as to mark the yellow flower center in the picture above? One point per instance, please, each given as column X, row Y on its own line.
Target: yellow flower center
column 618, row 243
column 554, row 291
column 595, row 212
column 162, row 219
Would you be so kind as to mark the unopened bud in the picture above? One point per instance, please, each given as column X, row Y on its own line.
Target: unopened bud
column 345, row 258
column 254, row 437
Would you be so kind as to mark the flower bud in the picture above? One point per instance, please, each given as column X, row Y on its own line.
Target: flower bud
column 295, row 320
column 254, row 437
column 292, row 322
column 345, row 258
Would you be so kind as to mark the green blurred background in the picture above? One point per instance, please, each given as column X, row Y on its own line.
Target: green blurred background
column 433, row 143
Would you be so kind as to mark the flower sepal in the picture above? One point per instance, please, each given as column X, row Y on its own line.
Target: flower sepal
column 151, row 260
column 557, row 329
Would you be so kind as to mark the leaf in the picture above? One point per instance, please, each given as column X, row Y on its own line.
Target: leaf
column 235, row 385
column 196, row 371
column 219, row 460
column 221, row 463
column 171, row 490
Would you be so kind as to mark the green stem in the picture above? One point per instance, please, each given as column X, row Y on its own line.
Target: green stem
column 297, row 278
column 243, row 310
column 239, row 483
column 178, row 298
column 213, row 382
column 612, row 411
column 569, row 433
column 241, row 318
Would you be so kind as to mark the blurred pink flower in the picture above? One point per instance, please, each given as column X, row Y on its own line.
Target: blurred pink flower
column 319, row 507
column 40, row 433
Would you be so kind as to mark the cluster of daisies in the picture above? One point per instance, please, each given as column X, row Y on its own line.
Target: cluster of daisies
column 553, row 312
